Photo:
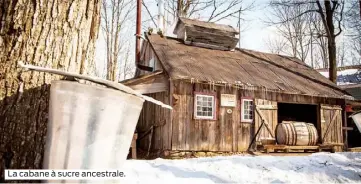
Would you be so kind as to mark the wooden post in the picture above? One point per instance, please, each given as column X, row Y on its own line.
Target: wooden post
column 134, row 146
column 345, row 131
column 255, row 136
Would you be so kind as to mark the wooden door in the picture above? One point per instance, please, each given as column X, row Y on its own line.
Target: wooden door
column 267, row 111
column 330, row 130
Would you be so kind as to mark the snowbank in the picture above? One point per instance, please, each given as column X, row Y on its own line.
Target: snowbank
column 315, row 168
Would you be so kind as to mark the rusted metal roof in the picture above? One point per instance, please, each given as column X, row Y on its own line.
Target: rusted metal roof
column 242, row 68
column 191, row 22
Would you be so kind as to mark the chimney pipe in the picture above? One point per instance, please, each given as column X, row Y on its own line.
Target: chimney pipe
column 137, row 33
column 161, row 16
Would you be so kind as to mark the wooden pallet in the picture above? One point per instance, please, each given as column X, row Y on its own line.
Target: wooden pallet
column 356, row 149
column 318, row 148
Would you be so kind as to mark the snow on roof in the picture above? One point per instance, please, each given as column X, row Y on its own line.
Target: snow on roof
column 346, row 77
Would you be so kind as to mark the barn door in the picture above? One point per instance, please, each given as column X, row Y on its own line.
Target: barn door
column 267, row 111
column 331, row 124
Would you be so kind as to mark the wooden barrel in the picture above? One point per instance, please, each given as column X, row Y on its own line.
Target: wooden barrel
column 296, row 133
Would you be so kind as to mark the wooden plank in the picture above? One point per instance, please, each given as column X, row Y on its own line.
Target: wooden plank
column 149, row 88
column 335, row 114
column 265, row 121
column 197, row 125
column 356, row 149
column 347, row 128
column 166, row 131
column 189, row 128
column 175, row 117
column 235, row 123
column 330, row 107
column 267, row 106
column 170, row 118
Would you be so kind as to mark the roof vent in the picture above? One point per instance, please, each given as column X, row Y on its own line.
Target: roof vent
column 206, row 34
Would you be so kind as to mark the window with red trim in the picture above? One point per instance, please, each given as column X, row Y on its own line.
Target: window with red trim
column 247, row 110
column 204, row 106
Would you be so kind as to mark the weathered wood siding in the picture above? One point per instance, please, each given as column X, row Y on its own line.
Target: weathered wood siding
column 269, row 112
column 157, row 117
column 227, row 133
column 331, row 124
column 148, row 58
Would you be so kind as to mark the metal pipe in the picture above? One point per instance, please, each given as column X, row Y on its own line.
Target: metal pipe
column 138, row 30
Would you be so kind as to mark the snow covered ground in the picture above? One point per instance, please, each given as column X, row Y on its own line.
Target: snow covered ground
column 315, row 168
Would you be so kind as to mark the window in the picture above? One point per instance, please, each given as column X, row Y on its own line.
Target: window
column 204, row 106
column 247, row 110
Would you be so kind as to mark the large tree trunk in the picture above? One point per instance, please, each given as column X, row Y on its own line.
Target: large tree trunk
column 331, row 44
column 50, row 33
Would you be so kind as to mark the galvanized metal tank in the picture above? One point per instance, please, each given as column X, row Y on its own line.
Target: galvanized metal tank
column 90, row 127
column 356, row 117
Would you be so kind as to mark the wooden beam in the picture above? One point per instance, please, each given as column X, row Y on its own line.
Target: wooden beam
column 267, row 107
column 347, row 128
column 149, row 88
column 146, row 68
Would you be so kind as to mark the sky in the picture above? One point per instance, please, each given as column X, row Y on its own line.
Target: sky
column 254, row 31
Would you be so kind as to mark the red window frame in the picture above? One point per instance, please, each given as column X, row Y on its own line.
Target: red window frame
column 215, row 111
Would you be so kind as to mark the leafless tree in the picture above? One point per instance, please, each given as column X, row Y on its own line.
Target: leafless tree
column 353, row 24
column 206, row 10
column 116, row 16
column 331, row 14
column 276, row 45
column 319, row 41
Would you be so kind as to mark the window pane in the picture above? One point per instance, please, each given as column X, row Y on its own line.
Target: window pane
column 204, row 106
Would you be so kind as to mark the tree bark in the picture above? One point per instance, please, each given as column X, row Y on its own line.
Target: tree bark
column 331, row 42
column 49, row 33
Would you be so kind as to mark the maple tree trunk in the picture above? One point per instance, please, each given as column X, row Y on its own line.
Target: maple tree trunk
column 48, row 33
column 331, row 42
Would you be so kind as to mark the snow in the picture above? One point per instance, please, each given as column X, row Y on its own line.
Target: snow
column 342, row 72
column 316, row 168
column 346, row 77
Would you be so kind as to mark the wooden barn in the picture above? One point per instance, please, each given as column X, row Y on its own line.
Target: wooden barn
column 221, row 95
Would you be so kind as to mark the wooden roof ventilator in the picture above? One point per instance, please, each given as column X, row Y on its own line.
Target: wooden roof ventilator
column 206, row 34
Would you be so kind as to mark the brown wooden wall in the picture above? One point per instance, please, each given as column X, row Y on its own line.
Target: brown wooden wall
column 157, row 117
column 226, row 133
column 178, row 130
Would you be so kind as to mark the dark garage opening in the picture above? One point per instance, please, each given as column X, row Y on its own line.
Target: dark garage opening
column 297, row 112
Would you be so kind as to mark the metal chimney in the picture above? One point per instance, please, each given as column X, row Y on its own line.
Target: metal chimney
column 137, row 33
column 161, row 16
